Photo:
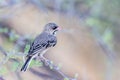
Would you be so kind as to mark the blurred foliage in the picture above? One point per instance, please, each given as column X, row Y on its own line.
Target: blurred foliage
column 104, row 17
column 3, row 71
column 3, row 30
column 27, row 47
column 66, row 78
column 15, row 66
column 36, row 63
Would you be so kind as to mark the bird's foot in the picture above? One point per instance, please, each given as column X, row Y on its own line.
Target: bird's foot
column 46, row 61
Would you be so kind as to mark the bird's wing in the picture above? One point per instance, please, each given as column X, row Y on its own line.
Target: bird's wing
column 42, row 42
column 38, row 44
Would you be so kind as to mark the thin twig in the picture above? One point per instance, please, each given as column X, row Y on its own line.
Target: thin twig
column 55, row 70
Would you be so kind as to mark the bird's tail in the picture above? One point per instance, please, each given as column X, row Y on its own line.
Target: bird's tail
column 26, row 64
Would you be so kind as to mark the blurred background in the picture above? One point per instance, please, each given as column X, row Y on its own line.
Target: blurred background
column 88, row 44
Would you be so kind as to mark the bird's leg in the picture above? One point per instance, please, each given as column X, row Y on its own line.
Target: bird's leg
column 37, row 57
column 45, row 60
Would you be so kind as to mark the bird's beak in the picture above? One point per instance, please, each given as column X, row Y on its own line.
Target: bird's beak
column 59, row 28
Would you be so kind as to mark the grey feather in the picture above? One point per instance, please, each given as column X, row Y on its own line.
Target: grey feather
column 42, row 42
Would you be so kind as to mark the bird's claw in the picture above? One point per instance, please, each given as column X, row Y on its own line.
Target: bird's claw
column 46, row 61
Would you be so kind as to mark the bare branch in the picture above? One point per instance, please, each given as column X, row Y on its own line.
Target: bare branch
column 54, row 70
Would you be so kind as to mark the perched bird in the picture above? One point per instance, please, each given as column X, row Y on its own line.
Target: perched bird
column 42, row 43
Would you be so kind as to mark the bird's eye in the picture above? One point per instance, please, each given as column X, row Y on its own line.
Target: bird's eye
column 54, row 27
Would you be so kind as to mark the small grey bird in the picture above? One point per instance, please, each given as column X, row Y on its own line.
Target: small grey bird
column 41, row 43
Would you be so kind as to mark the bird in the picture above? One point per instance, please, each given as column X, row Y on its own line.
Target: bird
column 42, row 43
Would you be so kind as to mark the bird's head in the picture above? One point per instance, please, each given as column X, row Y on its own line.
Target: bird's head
column 51, row 28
